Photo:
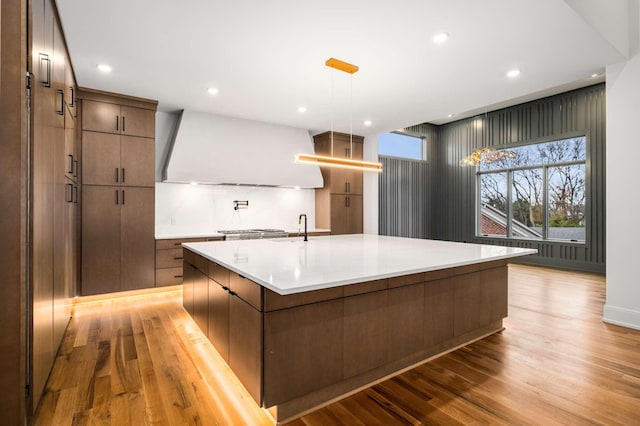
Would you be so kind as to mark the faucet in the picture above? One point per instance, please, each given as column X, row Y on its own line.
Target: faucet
column 305, row 225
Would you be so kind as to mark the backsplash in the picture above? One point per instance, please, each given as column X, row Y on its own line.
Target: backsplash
column 183, row 209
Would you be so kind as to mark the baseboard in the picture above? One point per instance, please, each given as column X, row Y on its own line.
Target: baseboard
column 621, row 316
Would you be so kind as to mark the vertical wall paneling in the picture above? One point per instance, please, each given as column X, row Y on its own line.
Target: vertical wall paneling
column 405, row 205
column 578, row 112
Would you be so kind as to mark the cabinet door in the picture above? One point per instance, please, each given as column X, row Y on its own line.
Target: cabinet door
column 406, row 314
column 137, row 241
column 100, row 117
column 100, row 159
column 245, row 345
column 355, row 214
column 61, row 197
column 219, row 319
column 201, row 302
column 58, row 75
column 339, row 214
column 188, row 278
column 100, row 239
column 303, row 350
column 138, row 122
column 136, row 169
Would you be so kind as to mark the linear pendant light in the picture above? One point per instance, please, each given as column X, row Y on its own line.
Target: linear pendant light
column 345, row 163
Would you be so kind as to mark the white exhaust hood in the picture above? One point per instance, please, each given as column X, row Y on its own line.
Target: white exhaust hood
column 213, row 149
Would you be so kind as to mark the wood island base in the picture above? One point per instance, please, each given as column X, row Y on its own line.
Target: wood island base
column 298, row 352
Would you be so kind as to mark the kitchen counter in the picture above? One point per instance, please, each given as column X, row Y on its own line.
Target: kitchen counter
column 180, row 235
column 290, row 265
column 304, row 323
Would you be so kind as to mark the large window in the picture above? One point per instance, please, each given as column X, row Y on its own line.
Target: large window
column 402, row 146
column 536, row 191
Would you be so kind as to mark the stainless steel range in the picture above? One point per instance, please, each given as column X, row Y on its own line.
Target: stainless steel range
column 253, row 234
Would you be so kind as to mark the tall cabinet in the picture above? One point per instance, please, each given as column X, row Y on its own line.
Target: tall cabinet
column 118, row 180
column 339, row 202
column 54, row 190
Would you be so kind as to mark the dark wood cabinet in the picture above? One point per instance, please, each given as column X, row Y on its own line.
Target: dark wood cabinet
column 54, row 190
column 118, row 175
column 219, row 318
column 293, row 352
column 245, row 345
column 118, row 246
column 114, row 118
column 339, row 202
column 110, row 159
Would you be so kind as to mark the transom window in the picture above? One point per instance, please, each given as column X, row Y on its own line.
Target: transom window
column 535, row 191
column 402, row 146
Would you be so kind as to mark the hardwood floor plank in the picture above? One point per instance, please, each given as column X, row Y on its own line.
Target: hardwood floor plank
column 142, row 361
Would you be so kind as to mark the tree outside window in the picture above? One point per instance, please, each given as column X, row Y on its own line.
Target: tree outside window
column 535, row 192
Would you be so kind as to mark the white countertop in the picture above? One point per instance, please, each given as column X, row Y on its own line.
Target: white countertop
column 290, row 265
column 180, row 235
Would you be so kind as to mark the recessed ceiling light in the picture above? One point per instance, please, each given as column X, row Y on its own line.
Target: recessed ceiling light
column 513, row 73
column 594, row 75
column 440, row 38
column 367, row 122
column 194, row 183
column 213, row 91
column 104, row 68
column 302, row 110
column 296, row 188
column 450, row 115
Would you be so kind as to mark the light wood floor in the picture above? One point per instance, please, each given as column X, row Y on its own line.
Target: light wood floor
column 142, row 361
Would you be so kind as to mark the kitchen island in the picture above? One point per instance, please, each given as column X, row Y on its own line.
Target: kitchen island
column 304, row 323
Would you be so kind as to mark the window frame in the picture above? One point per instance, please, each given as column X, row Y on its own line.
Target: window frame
column 423, row 149
column 545, row 188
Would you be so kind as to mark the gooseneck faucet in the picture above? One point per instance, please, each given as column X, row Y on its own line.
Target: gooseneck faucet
column 305, row 225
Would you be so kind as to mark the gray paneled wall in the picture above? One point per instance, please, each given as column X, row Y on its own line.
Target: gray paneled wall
column 450, row 189
column 576, row 112
column 403, row 202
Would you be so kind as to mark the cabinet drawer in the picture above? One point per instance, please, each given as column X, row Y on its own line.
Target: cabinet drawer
column 219, row 273
column 169, row 258
column 168, row 276
column 175, row 243
column 248, row 291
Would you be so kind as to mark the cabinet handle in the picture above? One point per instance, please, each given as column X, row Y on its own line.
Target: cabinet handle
column 73, row 97
column 75, row 195
column 123, row 123
column 117, row 176
column 75, row 168
column 177, row 244
column 348, row 186
column 69, row 194
column 116, row 196
column 70, row 163
column 45, row 58
column 345, row 202
column 117, row 119
column 177, row 276
column 178, row 258
column 123, row 167
column 348, row 201
column 123, row 197
column 61, row 105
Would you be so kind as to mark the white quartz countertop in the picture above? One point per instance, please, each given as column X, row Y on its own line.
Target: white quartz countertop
column 290, row 265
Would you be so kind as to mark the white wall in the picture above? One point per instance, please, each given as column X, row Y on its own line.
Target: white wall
column 623, row 203
column 183, row 209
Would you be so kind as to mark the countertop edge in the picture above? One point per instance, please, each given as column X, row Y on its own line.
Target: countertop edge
column 302, row 289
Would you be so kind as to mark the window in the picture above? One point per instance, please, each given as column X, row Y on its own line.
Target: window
column 402, row 146
column 536, row 191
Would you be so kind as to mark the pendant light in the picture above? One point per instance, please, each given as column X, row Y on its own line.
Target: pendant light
column 331, row 161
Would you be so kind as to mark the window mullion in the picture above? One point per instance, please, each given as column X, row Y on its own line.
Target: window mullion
column 545, row 203
column 509, row 203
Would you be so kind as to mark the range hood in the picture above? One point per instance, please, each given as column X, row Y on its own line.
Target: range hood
column 214, row 149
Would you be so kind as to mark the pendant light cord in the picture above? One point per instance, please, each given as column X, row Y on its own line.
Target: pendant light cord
column 332, row 72
column 351, row 117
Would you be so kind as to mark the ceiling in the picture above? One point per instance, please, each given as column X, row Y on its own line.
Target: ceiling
column 267, row 58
